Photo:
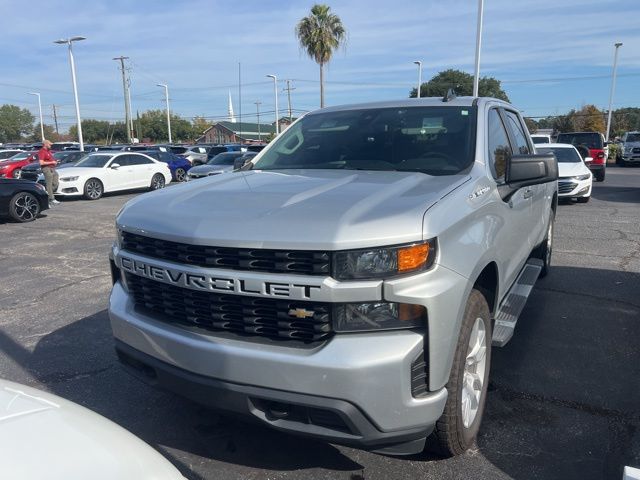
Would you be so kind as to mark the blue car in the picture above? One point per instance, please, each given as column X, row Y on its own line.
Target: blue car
column 178, row 165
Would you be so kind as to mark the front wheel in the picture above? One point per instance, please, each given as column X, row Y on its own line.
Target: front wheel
column 157, row 182
column 93, row 189
column 24, row 207
column 545, row 249
column 456, row 430
column 16, row 173
column 181, row 175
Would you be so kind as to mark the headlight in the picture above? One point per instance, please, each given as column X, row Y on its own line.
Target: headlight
column 68, row 179
column 358, row 317
column 586, row 176
column 384, row 262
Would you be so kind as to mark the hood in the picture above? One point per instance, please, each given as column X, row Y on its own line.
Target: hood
column 81, row 171
column 631, row 144
column 566, row 169
column 204, row 169
column 297, row 209
column 45, row 436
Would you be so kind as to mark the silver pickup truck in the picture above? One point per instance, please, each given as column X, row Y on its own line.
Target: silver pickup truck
column 349, row 282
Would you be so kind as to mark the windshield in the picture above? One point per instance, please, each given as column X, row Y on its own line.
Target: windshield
column 94, row 161
column 178, row 150
column 226, row 158
column 432, row 140
column 633, row 137
column 563, row 155
column 590, row 140
column 20, row 156
column 538, row 140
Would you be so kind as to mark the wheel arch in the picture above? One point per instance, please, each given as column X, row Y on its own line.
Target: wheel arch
column 487, row 283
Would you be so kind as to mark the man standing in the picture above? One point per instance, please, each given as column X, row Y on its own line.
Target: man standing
column 48, row 166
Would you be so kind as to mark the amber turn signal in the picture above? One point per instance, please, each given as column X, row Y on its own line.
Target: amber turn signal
column 414, row 257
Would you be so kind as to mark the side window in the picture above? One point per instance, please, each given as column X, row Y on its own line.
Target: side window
column 521, row 146
column 122, row 160
column 499, row 148
column 139, row 160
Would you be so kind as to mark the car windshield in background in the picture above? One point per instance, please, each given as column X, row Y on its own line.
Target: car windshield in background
column 179, row 150
column 226, row 158
column 217, row 150
column 590, row 140
column 20, row 156
column 94, row 161
column 633, row 138
column 563, row 155
column 431, row 140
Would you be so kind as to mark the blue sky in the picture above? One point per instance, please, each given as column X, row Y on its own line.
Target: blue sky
column 551, row 55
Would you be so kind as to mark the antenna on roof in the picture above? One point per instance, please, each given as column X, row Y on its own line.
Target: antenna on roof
column 450, row 95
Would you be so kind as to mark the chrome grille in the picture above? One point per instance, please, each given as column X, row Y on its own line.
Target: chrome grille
column 257, row 260
column 566, row 187
column 241, row 314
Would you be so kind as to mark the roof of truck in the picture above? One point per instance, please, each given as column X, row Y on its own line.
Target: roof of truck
column 413, row 102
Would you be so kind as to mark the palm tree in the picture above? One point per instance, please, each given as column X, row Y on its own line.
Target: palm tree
column 320, row 34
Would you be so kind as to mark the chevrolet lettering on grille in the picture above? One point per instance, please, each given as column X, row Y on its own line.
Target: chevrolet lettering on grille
column 217, row 283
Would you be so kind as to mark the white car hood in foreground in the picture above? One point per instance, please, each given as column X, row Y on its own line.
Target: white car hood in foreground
column 43, row 436
column 572, row 169
column 299, row 209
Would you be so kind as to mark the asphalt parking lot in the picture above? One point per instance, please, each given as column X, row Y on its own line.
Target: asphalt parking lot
column 564, row 398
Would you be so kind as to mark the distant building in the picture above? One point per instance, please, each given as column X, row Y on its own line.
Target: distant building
column 245, row 132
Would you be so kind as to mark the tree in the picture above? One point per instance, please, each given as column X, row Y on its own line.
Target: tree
column 49, row 134
column 153, row 125
column 320, row 34
column 462, row 84
column 14, row 123
column 199, row 125
column 589, row 119
column 532, row 125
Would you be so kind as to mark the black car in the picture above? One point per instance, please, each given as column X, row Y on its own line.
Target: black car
column 22, row 200
column 65, row 158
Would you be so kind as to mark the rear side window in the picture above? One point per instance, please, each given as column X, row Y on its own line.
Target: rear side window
column 588, row 139
column 139, row 160
column 499, row 149
column 521, row 146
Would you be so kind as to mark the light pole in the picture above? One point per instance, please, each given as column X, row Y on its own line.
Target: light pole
column 419, row 63
column 166, row 98
column 258, row 113
column 275, row 92
column 40, row 110
column 613, row 88
column 69, row 41
column 476, row 75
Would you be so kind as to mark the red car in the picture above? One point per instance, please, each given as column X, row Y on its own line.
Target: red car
column 11, row 167
column 596, row 146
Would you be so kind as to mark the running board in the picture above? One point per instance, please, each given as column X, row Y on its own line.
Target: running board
column 513, row 304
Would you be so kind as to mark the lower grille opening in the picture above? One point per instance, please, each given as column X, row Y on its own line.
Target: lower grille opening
column 419, row 376
column 137, row 365
column 321, row 417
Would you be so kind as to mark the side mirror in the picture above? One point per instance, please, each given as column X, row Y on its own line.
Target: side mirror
column 115, row 166
column 525, row 170
column 588, row 160
column 240, row 164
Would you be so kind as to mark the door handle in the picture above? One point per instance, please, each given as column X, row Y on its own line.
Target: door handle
column 528, row 193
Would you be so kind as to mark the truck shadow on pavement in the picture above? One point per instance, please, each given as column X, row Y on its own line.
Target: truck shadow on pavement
column 616, row 194
column 563, row 400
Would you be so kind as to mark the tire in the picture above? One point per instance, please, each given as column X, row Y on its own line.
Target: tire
column 16, row 173
column 24, row 207
column 157, row 182
column 599, row 175
column 545, row 249
column 181, row 175
column 456, row 430
column 93, row 189
column 583, row 199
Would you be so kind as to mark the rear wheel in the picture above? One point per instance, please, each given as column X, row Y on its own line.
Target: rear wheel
column 24, row 207
column 157, row 182
column 599, row 175
column 456, row 430
column 93, row 189
column 545, row 249
column 181, row 175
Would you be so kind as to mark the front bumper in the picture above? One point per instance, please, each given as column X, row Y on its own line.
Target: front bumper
column 70, row 189
column 571, row 188
column 631, row 157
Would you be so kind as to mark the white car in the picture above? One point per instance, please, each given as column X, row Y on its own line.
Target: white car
column 540, row 138
column 45, row 436
column 574, row 177
column 103, row 172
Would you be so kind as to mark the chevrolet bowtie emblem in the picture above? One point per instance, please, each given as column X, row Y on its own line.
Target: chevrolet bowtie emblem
column 300, row 313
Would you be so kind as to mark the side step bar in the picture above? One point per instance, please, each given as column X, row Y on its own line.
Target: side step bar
column 513, row 304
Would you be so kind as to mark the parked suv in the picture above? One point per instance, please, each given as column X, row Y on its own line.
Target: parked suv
column 350, row 284
column 589, row 144
column 629, row 149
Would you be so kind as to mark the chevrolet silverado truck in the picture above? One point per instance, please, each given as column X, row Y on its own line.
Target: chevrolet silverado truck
column 349, row 282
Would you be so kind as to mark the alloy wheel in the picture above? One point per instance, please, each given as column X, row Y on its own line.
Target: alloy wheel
column 474, row 372
column 181, row 175
column 94, row 189
column 157, row 182
column 26, row 207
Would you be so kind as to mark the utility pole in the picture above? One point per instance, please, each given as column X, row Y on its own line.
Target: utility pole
column 125, row 89
column 258, row 112
column 613, row 88
column 288, row 90
column 166, row 99
column 55, row 118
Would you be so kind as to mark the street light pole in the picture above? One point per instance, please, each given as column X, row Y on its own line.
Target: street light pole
column 476, row 75
column 40, row 110
column 275, row 91
column 69, row 41
column 419, row 63
column 166, row 98
column 613, row 88
column 258, row 114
